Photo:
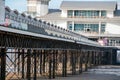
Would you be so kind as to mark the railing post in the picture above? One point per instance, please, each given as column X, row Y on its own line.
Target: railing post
column 3, row 63
column 28, row 64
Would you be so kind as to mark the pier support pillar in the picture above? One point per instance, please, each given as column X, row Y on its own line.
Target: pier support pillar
column 19, row 54
column 23, row 61
column 44, row 56
column 94, row 58
column 35, row 64
column 90, row 58
column 54, row 61
column 86, row 60
column 64, row 64
column 28, row 64
column 80, row 62
column 3, row 63
column 50, row 64
column 73, row 63
column 40, row 56
column 97, row 58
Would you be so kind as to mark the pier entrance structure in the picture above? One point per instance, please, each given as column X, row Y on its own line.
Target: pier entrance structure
column 32, row 49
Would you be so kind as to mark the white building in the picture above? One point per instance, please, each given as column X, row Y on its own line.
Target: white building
column 2, row 11
column 79, row 16
column 37, row 7
column 94, row 19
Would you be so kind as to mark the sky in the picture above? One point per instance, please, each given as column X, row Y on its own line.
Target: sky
column 20, row 5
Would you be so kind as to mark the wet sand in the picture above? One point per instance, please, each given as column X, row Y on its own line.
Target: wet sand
column 87, row 76
column 97, row 74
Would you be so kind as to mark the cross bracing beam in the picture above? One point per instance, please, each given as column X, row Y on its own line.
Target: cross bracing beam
column 36, row 63
column 23, row 41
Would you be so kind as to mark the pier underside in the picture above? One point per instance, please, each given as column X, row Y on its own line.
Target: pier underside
column 26, row 57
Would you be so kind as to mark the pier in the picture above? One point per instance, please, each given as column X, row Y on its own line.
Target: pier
column 31, row 49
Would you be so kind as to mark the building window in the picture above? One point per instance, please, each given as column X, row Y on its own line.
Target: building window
column 94, row 28
column 76, row 13
column 103, row 27
column 91, row 28
column 86, row 27
column 78, row 27
column 96, row 13
column 69, row 25
column 103, row 13
column 86, row 13
column 70, row 13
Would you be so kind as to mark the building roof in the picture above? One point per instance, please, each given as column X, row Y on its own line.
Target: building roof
column 89, row 5
column 52, row 14
column 56, row 15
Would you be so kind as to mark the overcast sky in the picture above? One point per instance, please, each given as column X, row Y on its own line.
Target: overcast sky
column 20, row 5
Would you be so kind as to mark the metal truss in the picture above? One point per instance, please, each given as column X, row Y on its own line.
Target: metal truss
column 25, row 57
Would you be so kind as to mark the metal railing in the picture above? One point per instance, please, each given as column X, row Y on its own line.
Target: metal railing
column 22, row 22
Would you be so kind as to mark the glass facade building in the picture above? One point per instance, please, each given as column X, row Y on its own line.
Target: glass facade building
column 86, row 27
